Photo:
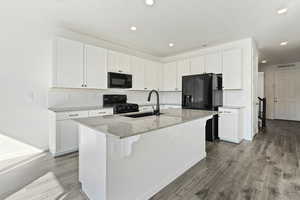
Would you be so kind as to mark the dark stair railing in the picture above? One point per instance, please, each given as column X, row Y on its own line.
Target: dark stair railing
column 262, row 112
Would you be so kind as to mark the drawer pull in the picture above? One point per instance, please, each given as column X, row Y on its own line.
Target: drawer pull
column 74, row 115
column 101, row 112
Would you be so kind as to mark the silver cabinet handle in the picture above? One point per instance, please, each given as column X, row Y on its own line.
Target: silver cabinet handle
column 120, row 71
column 82, row 85
column 73, row 115
column 101, row 112
column 145, row 88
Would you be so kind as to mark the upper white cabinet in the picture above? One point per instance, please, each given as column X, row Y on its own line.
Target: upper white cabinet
column 232, row 69
column 197, row 65
column 151, row 75
column 118, row 62
column 69, row 64
column 137, row 66
column 170, row 76
column 213, row 63
column 79, row 66
column 95, row 62
column 183, row 69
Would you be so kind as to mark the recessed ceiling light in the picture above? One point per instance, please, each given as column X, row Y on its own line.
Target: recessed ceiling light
column 282, row 11
column 133, row 28
column 149, row 2
column 284, row 43
column 264, row 61
column 171, row 45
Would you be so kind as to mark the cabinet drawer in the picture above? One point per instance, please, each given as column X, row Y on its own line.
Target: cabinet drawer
column 102, row 112
column 71, row 115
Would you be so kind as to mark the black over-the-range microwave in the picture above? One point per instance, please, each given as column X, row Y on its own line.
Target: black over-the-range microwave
column 118, row 80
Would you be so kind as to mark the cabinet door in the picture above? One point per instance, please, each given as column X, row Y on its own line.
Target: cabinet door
column 160, row 76
column 213, row 63
column 137, row 71
column 232, row 69
column 118, row 62
column 197, row 65
column 228, row 126
column 170, row 76
column 96, row 72
column 151, row 76
column 66, row 136
column 183, row 69
column 123, row 63
column 69, row 68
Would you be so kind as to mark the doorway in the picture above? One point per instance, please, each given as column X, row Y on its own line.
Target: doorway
column 287, row 94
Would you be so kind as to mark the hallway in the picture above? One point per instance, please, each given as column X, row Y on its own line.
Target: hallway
column 266, row 169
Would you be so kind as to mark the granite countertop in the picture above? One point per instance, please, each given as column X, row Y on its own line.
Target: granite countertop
column 83, row 108
column 123, row 127
column 232, row 107
column 72, row 109
column 161, row 104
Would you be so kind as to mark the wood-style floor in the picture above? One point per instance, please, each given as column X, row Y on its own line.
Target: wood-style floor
column 267, row 168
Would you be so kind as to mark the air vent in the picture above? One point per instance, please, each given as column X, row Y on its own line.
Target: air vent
column 285, row 66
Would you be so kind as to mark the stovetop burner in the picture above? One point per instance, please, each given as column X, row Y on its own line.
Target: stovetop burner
column 119, row 103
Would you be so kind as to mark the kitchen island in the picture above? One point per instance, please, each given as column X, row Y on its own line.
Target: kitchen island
column 127, row 158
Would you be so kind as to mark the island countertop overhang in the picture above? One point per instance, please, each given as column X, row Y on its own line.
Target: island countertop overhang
column 120, row 126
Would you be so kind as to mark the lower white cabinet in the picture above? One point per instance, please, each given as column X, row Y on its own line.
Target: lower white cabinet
column 63, row 138
column 231, row 125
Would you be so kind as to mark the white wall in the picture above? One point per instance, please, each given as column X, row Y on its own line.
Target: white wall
column 25, row 67
column 269, row 83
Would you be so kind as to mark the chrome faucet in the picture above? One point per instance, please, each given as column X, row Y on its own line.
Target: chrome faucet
column 157, row 111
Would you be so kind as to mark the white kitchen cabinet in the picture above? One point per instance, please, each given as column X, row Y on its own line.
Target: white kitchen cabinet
column 67, row 137
column 197, row 65
column 137, row 68
column 213, row 63
column 68, row 71
column 101, row 112
column 183, row 69
column 151, row 75
column 170, row 77
column 63, row 137
column 232, row 69
column 231, row 125
column 95, row 67
column 118, row 62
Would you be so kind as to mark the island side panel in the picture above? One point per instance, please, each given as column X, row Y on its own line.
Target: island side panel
column 154, row 160
column 92, row 163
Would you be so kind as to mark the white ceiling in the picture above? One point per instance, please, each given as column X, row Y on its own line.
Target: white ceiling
column 187, row 23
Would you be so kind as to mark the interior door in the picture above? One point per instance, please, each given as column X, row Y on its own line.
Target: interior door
column 286, row 100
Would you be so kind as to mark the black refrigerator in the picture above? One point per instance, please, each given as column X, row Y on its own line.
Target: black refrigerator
column 204, row 92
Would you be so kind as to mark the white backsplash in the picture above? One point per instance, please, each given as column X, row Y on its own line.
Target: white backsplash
column 78, row 97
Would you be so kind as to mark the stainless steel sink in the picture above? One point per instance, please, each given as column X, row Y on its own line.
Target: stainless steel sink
column 137, row 115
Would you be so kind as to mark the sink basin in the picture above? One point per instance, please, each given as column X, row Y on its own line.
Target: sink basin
column 145, row 114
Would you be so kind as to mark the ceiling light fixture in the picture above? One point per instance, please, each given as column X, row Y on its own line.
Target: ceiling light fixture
column 284, row 43
column 149, row 2
column 264, row 61
column 171, row 45
column 282, row 11
column 133, row 28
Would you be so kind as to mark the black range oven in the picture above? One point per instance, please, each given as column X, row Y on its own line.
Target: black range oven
column 117, row 80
